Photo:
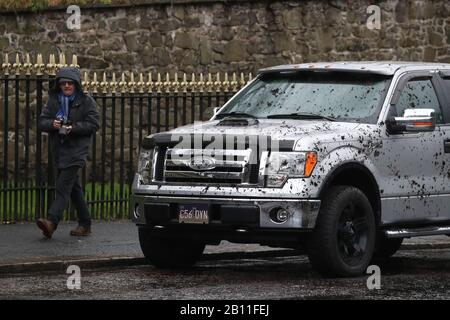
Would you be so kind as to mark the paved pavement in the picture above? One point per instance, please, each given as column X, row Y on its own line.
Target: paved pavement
column 22, row 246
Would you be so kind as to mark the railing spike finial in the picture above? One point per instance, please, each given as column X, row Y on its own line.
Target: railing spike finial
column 131, row 84
column 6, row 66
column 59, row 64
column 141, row 83
column 175, row 83
column 149, row 83
column 85, row 82
column 51, row 65
column 62, row 60
column 123, row 84
column 27, row 65
column 242, row 81
column 184, row 83
column 159, row 83
column 74, row 61
column 200, row 83
column 250, row 77
column 6, row 59
column 39, row 66
column 193, row 83
column 217, row 83
column 95, row 83
column 113, row 83
column 104, row 84
column 167, row 84
column 226, row 83
column 209, row 83
column 234, row 83
column 17, row 66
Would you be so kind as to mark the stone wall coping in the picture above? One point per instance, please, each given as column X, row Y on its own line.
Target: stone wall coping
column 123, row 6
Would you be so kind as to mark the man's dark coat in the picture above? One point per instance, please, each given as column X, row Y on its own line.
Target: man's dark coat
column 74, row 149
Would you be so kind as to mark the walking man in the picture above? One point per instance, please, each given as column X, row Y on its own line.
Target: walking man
column 71, row 119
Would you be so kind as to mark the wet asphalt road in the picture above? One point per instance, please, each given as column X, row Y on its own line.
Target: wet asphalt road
column 422, row 274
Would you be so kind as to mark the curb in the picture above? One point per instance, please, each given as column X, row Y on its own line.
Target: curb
column 62, row 265
column 108, row 262
column 91, row 263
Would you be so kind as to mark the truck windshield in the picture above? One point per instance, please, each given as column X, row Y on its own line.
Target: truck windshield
column 341, row 96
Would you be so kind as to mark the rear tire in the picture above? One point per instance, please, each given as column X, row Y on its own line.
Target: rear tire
column 386, row 247
column 343, row 240
column 163, row 252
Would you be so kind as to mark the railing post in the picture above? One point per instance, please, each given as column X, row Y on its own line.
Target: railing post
column 51, row 170
column 158, row 103
column 27, row 66
column 39, row 66
column 131, row 89
column 17, row 190
column 6, row 67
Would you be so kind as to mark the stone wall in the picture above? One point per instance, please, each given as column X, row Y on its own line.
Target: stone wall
column 211, row 36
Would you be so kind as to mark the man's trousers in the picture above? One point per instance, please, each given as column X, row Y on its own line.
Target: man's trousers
column 68, row 187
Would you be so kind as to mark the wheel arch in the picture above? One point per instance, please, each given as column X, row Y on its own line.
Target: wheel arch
column 357, row 175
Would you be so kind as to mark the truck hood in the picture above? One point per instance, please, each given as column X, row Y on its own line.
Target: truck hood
column 278, row 129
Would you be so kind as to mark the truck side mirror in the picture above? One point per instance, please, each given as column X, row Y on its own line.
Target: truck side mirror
column 413, row 120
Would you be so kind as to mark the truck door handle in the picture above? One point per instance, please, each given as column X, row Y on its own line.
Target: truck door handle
column 447, row 146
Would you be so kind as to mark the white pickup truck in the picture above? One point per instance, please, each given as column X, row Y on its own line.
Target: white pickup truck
column 343, row 159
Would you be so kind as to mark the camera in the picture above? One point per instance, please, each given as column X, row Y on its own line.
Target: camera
column 63, row 130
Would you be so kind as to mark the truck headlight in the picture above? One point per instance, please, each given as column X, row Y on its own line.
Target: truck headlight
column 283, row 165
column 145, row 165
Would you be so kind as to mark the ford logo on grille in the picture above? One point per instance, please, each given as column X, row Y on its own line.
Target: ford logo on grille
column 202, row 163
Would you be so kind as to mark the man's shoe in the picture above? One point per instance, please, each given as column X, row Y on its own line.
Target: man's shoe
column 46, row 226
column 81, row 231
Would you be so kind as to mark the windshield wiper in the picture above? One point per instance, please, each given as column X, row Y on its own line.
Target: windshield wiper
column 299, row 116
column 235, row 114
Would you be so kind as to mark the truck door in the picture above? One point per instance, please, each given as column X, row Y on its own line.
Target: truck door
column 416, row 170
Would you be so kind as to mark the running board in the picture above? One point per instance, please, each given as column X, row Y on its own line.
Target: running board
column 416, row 232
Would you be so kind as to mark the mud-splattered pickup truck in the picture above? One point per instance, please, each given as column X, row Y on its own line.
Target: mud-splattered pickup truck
column 343, row 160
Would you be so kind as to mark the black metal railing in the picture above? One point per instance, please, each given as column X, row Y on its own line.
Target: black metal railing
column 128, row 110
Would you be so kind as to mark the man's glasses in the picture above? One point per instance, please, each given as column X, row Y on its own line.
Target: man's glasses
column 66, row 83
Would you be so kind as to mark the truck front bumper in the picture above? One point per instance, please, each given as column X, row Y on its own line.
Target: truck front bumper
column 235, row 213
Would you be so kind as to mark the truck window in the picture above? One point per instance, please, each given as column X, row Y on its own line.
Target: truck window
column 446, row 107
column 344, row 96
column 418, row 94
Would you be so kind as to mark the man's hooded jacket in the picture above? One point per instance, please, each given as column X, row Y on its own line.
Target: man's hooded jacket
column 72, row 150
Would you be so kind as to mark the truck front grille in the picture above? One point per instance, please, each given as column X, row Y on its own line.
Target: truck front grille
column 225, row 167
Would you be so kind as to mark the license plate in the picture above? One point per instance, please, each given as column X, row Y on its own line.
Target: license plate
column 193, row 213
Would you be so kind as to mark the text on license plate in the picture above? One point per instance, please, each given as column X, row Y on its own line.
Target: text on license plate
column 193, row 213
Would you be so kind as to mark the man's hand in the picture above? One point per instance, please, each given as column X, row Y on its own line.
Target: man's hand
column 68, row 128
column 56, row 124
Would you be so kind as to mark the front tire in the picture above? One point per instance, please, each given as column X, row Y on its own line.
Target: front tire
column 343, row 240
column 163, row 252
